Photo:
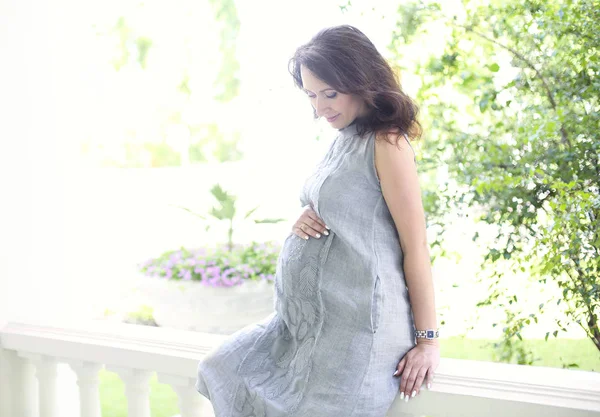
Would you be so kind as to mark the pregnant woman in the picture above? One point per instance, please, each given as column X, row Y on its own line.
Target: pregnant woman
column 354, row 322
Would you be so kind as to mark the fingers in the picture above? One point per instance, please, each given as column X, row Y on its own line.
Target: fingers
column 405, row 382
column 400, row 367
column 412, row 380
column 416, row 389
column 310, row 225
column 304, row 231
column 430, row 373
column 315, row 225
column 320, row 224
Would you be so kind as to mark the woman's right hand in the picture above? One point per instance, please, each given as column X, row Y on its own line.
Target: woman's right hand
column 309, row 224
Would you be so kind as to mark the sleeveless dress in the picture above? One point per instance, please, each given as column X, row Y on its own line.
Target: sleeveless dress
column 342, row 318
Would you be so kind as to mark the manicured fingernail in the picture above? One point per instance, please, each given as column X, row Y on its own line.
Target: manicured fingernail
column 406, row 398
column 306, row 237
column 414, row 393
column 429, row 385
column 396, row 373
column 318, row 235
column 325, row 232
column 328, row 227
column 401, row 396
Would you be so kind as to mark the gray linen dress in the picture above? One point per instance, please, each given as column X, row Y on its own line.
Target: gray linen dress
column 342, row 318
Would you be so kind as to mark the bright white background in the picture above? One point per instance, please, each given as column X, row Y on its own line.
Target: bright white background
column 71, row 233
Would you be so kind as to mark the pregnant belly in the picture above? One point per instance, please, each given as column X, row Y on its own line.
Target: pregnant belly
column 298, row 274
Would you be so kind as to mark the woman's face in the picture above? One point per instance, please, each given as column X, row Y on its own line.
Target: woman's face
column 339, row 109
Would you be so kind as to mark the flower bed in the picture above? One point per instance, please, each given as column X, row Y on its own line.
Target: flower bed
column 211, row 290
column 216, row 266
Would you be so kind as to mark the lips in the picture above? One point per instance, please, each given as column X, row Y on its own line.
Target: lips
column 331, row 119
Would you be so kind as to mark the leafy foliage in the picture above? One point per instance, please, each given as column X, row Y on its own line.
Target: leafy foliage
column 228, row 80
column 129, row 41
column 511, row 107
column 226, row 210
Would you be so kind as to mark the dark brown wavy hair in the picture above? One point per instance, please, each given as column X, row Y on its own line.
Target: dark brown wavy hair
column 344, row 58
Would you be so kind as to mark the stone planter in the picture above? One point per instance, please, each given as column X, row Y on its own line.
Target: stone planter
column 191, row 305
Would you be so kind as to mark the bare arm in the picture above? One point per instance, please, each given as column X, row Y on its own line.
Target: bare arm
column 402, row 193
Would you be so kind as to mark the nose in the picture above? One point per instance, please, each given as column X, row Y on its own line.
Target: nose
column 320, row 106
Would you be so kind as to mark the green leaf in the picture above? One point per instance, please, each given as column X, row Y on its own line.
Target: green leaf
column 572, row 365
column 250, row 212
column 189, row 211
column 270, row 221
column 494, row 67
column 220, row 194
column 483, row 104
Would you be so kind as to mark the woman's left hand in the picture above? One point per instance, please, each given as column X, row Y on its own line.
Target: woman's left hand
column 418, row 363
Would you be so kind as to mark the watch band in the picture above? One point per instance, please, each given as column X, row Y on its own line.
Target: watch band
column 427, row 334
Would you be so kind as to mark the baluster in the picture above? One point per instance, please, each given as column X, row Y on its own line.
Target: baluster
column 88, row 383
column 6, row 359
column 191, row 402
column 47, row 375
column 25, row 399
column 137, row 390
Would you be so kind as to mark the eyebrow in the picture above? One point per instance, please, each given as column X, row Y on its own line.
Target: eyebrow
column 322, row 91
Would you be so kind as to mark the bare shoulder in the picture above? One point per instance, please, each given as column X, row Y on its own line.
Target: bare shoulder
column 399, row 180
column 393, row 155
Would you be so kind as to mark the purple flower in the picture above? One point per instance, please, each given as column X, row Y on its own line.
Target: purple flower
column 215, row 265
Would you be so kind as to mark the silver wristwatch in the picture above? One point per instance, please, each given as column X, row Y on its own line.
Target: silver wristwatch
column 427, row 334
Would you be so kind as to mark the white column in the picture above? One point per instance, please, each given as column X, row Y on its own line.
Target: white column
column 25, row 400
column 137, row 390
column 88, row 383
column 46, row 376
column 6, row 358
column 191, row 402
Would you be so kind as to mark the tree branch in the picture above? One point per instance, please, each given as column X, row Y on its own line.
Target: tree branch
column 592, row 321
column 516, row 53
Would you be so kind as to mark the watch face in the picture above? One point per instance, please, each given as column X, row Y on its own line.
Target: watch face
column 430, row 334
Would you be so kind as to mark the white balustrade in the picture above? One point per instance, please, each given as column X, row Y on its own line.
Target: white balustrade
column 24, row 393
column 191, row 404
column 46, row 377
column 6, row 382
column 133, row 352
column 137, row 390
column 29, row 355
column 87, row 381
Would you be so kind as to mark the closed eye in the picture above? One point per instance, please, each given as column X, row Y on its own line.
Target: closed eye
column 332, row 95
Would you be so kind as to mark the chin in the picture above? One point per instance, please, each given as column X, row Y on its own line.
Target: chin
column 338, row 124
